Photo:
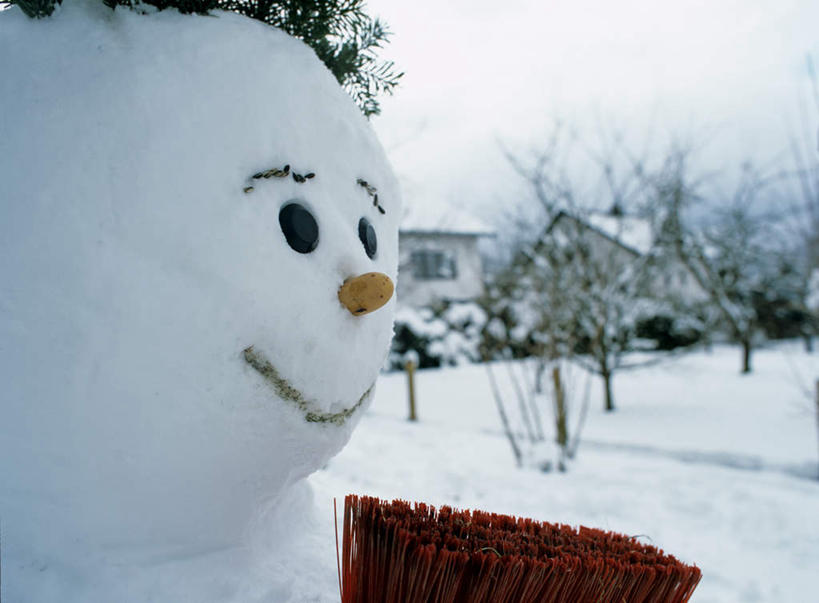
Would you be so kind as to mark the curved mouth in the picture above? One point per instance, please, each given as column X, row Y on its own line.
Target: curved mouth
column 287, row 392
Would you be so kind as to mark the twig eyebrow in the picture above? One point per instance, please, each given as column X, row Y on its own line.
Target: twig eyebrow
column 372, row 192
column 275, row 172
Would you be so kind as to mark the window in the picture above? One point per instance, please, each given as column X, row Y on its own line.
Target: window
column 428, row 264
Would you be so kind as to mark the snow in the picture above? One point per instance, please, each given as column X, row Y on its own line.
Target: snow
column 438, row 216
column 141, row 455
column 422, row 322
column 465, row 313
column 142, row 459
column 716, row 468
column 452, row 337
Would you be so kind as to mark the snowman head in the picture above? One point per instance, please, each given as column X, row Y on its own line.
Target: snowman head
column 190, row 326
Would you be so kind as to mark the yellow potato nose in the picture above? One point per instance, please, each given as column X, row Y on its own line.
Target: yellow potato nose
column 366, row 293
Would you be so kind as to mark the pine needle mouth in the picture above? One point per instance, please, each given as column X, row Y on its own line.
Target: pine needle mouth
column 286, row 391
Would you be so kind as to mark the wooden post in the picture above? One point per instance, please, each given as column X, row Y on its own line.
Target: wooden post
column 410, row 367
column 560, row 418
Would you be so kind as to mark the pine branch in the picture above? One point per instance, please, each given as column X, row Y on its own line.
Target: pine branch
column 36, row 9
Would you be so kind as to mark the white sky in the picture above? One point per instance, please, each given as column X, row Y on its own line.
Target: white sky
column 478, row 72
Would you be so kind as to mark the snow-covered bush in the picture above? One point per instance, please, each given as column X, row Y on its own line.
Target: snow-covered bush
column 664, row 325
column 450, row 333
column 665, row 332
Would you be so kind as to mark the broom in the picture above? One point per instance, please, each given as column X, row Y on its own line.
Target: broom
column 394, row 552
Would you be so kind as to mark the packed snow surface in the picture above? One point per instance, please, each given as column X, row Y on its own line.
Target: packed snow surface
column 138, row 265
column 715, row 468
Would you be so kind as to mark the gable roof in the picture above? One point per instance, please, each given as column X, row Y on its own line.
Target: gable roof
column 629, row 232
column 443, row 219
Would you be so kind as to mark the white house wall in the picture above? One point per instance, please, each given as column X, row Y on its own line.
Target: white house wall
column 421, row 292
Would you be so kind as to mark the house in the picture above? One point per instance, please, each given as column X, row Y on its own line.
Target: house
column 439, row 257
column 617, row 239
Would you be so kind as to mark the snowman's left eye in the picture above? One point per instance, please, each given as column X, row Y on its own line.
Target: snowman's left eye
column 366, row 233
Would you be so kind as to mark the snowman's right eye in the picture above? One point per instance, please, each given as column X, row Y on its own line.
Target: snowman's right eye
column 299, row 227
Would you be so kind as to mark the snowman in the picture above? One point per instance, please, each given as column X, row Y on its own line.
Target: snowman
column 198, row 246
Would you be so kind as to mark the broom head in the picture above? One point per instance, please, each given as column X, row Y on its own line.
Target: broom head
column 397, row 552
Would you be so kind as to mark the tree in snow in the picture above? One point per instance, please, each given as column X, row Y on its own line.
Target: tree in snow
column 579, row 287
column 805, row 152
column 583, row 296
column 736, row 254
column 805, row 214
column 342, row 34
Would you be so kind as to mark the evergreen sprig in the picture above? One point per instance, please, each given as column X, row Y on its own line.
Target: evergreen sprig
column 344, row 37
column 36, row 9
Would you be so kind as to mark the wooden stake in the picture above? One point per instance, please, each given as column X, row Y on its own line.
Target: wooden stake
column 560, row 417
column 410, row 367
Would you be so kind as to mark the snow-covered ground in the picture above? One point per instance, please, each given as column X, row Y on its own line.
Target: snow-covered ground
column 716, row 468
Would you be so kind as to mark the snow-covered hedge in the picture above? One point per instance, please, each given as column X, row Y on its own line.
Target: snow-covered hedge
column 448, row 334
column 455, row 333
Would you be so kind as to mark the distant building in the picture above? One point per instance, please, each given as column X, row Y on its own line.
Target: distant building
column 619, row 239
column 439, row 258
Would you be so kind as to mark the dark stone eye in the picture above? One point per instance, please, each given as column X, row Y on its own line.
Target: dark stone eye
column 299, row 227
column 366, row 233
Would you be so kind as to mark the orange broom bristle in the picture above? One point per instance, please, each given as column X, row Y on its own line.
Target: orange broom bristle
column 395, row 552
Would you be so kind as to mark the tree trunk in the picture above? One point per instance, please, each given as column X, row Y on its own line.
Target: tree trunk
column 561, row 426
column 606, row 374
column 746, row 356
column 605, row 370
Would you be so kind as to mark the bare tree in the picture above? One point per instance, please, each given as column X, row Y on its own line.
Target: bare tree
column 539, row 386
column 805, row 153
column 574, row 286
column 805, row 210
column 736, row 254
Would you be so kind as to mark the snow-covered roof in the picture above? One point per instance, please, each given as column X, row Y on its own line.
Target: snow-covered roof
column 442, row 218
column 630, row 231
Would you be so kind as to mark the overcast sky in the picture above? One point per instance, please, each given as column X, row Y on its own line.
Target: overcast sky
column 478, row 72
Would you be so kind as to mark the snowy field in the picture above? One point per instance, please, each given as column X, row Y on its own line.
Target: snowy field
column 716, row 468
